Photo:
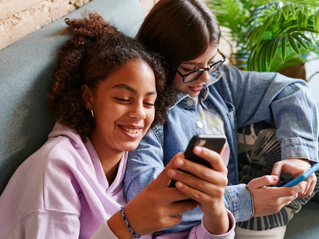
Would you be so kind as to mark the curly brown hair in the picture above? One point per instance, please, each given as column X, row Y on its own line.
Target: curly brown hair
column 96, row 50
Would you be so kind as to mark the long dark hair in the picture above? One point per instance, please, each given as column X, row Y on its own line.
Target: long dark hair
column 179, row 30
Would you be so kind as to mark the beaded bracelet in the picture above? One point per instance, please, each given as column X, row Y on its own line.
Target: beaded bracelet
column 127, row 224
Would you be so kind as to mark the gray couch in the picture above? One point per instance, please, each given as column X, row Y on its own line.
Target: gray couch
column 25, row 74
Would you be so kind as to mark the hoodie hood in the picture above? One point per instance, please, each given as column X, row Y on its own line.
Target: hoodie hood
column 72, row 134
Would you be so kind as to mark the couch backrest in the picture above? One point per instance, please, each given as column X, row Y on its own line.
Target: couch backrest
column 25, row 74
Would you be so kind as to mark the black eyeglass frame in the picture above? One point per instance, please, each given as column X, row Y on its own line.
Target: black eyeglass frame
column 203, row 69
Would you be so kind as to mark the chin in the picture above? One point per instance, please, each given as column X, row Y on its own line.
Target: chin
column 192, row 94
column 130, row 146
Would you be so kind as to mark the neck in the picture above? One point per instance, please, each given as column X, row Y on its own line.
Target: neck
column 110, row 168
column 110, row 160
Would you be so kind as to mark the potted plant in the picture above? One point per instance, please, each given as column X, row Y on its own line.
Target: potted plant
column 270, row 36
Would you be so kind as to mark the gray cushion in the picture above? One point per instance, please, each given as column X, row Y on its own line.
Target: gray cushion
column 26, row 71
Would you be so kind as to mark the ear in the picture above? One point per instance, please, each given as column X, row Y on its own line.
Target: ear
column 87, row 97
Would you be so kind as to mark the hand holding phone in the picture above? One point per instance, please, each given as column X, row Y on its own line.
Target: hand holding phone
column 302, row 177
column 212, row 142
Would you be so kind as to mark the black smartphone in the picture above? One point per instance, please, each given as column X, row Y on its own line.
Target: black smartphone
column 212, row 142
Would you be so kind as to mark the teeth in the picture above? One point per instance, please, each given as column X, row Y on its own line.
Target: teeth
column 131, row 131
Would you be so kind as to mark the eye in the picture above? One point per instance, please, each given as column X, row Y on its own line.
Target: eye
column 122, row 99
column 189, row 70
column 149, row 104
column 185, row 69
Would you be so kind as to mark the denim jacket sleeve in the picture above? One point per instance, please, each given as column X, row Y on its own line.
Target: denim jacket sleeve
column 143, row 166
column 286, row 102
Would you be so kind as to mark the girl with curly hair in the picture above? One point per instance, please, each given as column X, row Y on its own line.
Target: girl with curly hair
column 105, row 91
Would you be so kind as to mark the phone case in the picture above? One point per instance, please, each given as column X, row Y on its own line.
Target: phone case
column 213, row 142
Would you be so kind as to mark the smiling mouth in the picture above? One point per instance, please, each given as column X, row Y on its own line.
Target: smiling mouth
column 131, row 131
column 196, row 88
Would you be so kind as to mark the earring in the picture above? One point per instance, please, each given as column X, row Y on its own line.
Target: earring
column 92, row 113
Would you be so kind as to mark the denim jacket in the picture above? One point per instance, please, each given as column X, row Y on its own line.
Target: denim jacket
column 241, row 98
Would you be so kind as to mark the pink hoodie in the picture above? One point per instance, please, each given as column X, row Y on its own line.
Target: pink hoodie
column 61, row 192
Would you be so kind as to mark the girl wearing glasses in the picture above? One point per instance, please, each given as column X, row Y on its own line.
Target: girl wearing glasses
column 212, row 98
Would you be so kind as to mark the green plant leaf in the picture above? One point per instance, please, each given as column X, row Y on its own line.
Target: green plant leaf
column 269, row 33
column 283, row 48
column 316, row 20
column 261, row 32
column 285, row 11
column 262, row 60
column 300, row 6
column 293, row 44
column 268, row 54
column 278, row 4
column 292, row 9
column 306, row 38
column 254, row 17
column 299, row 19
column 274, row 48
column 302, row 19
column 229, row 14
column 305, row 18
column 300, row 41
column 278, row 15
column 251, row 60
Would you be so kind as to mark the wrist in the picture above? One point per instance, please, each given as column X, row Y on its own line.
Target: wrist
column 216, row 209
column 117, row 225
column 217, row 222
column 128, row 224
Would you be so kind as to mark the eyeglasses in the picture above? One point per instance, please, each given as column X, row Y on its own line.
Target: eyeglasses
column 194, row 75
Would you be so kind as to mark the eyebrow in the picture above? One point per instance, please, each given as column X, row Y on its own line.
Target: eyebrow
column 193, row 63
column 126, row 87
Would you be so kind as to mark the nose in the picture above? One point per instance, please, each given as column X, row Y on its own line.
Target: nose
column 205, row 76
column 138, row 111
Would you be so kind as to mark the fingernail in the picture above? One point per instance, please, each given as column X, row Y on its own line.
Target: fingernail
column 171, row 173
column 198, row 149
column 178, row 184
column 179, row 162
column 274, row 178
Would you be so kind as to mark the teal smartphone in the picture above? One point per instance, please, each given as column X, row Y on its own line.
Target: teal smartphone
column 302, row 177
column 212, row 142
